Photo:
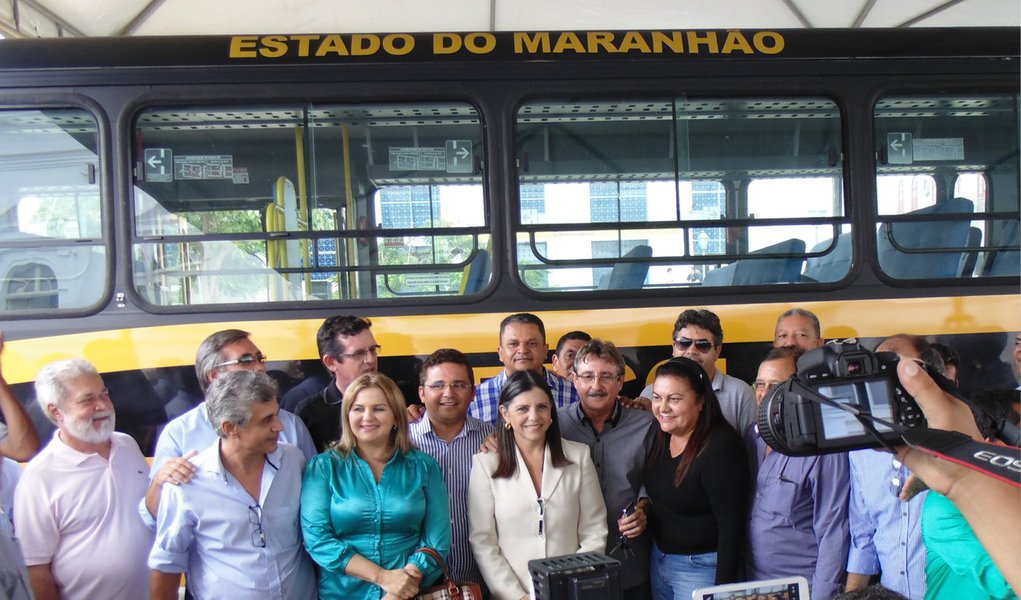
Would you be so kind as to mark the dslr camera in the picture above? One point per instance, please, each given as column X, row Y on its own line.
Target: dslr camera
column 821, row 408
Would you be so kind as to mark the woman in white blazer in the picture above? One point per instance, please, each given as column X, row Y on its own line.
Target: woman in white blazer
column 537, row 496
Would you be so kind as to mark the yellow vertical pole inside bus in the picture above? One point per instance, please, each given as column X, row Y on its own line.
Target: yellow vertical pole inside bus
column 304, row 216
column 350, row 220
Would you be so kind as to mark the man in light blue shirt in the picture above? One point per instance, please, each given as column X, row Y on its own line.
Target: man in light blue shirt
column 234, row 528
column 222, row 352
column 886, row 533
column 522, row 347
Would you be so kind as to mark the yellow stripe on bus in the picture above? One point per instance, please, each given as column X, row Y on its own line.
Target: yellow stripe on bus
column 419, row 335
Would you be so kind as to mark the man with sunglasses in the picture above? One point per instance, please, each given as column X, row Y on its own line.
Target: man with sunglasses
column 183, row 437
column 448, row 434
column 348, row 350
column 698, row 335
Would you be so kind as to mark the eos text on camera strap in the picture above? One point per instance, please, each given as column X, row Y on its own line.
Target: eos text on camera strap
column 1001, row 462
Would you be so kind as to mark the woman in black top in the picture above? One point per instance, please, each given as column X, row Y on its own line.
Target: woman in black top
column 698, row 481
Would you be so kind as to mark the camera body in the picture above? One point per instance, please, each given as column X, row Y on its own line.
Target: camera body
column 794, row 422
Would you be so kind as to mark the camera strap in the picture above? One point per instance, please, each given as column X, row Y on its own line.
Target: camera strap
column 1000, row 462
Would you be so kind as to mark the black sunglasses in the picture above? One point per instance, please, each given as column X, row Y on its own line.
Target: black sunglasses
column 700, row 345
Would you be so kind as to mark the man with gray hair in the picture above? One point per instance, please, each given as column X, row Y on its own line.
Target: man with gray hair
column 234, row 528
column 80, row 495
column 222, row 352
column 798, row 328
column 620, row 440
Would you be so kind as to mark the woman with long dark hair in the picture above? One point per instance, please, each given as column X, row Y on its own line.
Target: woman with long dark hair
column 537, row 496
column 698, row 481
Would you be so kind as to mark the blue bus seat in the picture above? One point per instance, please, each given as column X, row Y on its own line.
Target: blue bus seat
column 833, row 266
column 926, row 234
column 721, row 276
column 970, row 258
column 762, row 271
column 1006, row 262
column 772, row 270
column 630, row 275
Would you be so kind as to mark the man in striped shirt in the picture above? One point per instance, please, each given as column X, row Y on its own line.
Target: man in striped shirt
column 448, row 434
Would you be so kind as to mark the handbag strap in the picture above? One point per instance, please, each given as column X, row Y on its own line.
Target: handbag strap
column 448, row 580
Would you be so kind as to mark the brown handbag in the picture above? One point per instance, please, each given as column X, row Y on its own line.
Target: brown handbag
column 449, row 589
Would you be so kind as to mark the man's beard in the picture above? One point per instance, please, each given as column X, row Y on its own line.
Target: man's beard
column 83, row 429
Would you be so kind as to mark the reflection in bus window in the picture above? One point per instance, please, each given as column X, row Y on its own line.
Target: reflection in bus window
column 677, row 192
column 52, row 253
column 305, row 203
column 947, row 186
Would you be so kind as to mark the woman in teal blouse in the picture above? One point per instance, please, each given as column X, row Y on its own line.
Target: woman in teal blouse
column 371, row 500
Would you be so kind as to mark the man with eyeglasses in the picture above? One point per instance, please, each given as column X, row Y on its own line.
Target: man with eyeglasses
column 798, row 522
column 698, row 335
column 620, row 439
column 448, row 434
column 233, row 530
column 522, row 347
column 222, row 352
column 348, row 350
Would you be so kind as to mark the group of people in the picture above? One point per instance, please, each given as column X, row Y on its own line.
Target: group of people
column 355, row 492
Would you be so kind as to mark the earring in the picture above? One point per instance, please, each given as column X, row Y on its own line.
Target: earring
column 507, row 426
column 394, row 429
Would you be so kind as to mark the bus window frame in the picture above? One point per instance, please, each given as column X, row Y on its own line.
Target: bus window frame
column 211, row 96
column 25, row 99
column 610, row 94
column 959, row 86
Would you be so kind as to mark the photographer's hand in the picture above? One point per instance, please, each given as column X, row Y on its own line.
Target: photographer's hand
column 991, row 507
column 942, row 411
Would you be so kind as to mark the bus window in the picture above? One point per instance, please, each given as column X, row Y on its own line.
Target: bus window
column 677, row 192
column 52, row 253
column 310, row 203
column 947, row 186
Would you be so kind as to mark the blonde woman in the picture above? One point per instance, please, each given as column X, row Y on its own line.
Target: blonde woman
column 537, row 496
column 371, row 500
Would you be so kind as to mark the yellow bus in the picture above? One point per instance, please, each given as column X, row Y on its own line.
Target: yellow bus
column 154, row 190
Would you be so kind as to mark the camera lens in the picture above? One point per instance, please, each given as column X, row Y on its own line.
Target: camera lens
column 855, row 367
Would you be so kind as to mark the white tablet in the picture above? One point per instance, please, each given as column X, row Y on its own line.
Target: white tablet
column 786, row 588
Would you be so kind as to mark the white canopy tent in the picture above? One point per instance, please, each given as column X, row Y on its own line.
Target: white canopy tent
column 51, row 18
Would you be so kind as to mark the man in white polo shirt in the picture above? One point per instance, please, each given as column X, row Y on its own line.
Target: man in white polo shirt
column 75, row 509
